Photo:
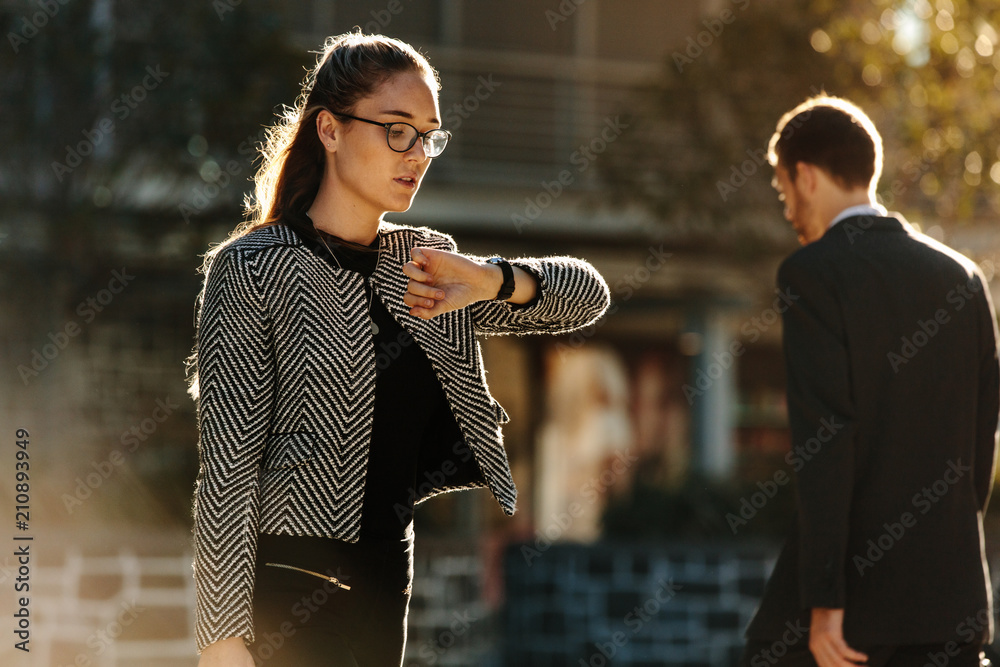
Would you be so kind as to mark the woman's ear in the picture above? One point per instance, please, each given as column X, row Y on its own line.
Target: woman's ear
column 327, row 130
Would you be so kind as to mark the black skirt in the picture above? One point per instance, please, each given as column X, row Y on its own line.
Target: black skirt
column 303, row 619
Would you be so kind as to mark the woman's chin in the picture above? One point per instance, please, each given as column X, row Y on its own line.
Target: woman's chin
column 401, row 206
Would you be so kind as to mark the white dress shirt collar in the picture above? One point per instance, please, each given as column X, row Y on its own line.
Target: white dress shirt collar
column 860, row 209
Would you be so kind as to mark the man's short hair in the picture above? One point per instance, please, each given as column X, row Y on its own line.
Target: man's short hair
column 833, row 134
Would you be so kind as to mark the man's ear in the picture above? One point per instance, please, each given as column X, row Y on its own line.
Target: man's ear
column 806, row 177
column 328, row 130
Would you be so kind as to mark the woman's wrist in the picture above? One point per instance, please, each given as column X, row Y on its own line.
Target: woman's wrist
column 491, row 282
column 525, row 285
column 231, row 652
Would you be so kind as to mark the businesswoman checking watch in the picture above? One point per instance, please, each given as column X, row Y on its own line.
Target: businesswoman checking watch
column 337, row 374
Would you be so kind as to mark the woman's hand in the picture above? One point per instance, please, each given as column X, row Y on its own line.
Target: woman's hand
column 441, row 281
column 231, row 652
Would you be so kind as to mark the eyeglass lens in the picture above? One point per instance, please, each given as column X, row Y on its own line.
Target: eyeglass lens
column 402, row 136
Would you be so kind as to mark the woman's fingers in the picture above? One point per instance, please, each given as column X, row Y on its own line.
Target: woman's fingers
column 414, row 301
column 426, row 310
column 419, row 289
column 414, row 271
column 422, row 298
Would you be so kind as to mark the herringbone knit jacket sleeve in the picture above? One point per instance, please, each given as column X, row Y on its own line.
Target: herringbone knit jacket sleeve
column 236, row 379
column 572, row 294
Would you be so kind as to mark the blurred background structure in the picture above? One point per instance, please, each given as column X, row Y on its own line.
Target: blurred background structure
column 630, row 133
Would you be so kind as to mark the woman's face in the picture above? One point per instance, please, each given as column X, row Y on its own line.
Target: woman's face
column 365, row 171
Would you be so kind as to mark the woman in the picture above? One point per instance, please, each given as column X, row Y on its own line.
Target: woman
column 338, row 378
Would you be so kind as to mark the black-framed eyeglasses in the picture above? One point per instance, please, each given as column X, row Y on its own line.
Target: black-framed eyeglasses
column 401, row 136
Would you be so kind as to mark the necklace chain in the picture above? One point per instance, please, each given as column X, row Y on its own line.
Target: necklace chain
column 371, row 288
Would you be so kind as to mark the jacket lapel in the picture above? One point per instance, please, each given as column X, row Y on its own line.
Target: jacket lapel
column 445, row 338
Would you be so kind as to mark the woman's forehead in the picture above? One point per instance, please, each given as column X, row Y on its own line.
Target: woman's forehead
column 407, row 95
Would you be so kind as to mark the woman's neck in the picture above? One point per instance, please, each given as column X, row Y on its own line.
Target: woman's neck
column 334, row 216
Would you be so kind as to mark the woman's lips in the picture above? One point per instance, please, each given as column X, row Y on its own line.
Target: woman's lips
column 407, row 181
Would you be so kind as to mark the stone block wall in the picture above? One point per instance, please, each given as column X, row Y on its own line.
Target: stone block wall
column 95, row 605
column 635, row 605
column 628, row 605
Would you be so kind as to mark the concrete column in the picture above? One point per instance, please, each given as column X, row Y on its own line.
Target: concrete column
column 713, row 407
column 451, row 22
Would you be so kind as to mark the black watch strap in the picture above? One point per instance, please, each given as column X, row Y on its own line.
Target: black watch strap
column 507, row 289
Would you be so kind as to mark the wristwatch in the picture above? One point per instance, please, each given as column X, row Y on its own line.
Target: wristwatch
column 507, row 289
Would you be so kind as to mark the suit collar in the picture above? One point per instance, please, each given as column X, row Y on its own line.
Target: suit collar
column 855, row 225
column 861, row 209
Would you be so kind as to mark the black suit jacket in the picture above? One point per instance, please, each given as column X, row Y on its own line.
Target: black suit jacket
column 893, row 391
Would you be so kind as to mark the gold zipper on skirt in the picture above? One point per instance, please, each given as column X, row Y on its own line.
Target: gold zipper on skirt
column 332, row 580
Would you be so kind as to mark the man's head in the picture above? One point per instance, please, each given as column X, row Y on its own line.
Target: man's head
column 827, row 155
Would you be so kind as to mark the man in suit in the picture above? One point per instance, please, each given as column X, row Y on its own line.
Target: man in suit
column 893, row 401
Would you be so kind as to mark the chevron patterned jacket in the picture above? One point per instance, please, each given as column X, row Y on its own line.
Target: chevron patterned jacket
column 286, row 368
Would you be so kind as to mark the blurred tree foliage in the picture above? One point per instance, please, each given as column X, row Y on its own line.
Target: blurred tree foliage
column 97, row 95
column 695, row 157
column 925, row 70
column 928, row 71
column 114, row 112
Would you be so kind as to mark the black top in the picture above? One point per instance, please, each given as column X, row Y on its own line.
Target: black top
column 411, row 412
